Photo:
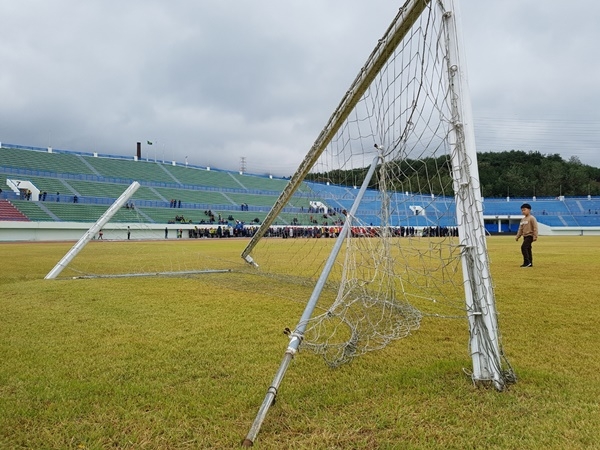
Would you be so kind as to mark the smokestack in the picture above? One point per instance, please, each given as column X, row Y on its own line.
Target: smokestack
column 139, row 151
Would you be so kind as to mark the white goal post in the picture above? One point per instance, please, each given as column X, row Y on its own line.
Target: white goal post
column 409, row 106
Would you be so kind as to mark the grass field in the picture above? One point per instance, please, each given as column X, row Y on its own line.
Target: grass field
column 184, row 363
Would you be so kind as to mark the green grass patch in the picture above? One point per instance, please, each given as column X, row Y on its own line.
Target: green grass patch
column 185, row 362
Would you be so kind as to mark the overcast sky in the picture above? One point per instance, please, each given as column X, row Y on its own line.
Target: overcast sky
column 218, row 80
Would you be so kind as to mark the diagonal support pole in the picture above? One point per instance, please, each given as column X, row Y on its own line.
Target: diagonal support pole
column 89, row 234
column 298, row 334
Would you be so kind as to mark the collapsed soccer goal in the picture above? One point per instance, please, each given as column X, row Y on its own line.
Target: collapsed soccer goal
column 397, row 232
column 124, row 243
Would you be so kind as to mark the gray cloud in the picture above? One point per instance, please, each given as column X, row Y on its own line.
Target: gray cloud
column 216, row 81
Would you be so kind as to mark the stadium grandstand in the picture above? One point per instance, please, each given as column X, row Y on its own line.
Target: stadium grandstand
column 55, row 194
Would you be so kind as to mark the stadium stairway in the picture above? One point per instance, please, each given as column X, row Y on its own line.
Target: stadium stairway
column 9, row 212
column 47, row 211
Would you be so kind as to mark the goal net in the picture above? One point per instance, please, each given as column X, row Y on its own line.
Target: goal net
column 415, row 242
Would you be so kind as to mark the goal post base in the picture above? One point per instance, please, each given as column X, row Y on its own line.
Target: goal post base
column 250, row 261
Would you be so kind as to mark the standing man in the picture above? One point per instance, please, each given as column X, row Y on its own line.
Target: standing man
column 528, row 228
column 128, row 232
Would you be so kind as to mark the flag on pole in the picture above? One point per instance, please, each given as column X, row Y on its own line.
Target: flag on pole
column 149, row 142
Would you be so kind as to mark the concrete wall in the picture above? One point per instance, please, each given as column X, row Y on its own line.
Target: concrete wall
column 545, row 230
column 72, row 231
column 499, row 223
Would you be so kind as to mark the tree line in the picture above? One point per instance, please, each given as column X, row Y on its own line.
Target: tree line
column 512, row 173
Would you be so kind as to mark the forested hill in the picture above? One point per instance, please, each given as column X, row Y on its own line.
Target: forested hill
column 512, row 173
